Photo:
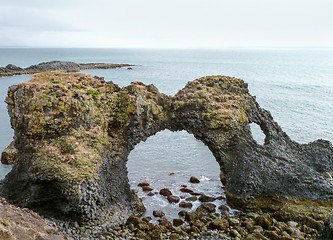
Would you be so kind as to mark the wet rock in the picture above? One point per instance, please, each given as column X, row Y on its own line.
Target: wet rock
column 196, row 194
column 185, row 204
column 219, row 224
column 182, row 213
column 133, row 220
column 173, row 199
column 165, row 192
column 150, row 194
column 223, row 208
column 9, row 154
column 147, row 219
column 190, row 216
column 165, row 222
column 191, row 199
column 142, row 184
column 184, row 186
column 210, row 207
column 177, row 222
column 194, row 180
column 264, row 220
column 186, row 190
column 147, row 189
column 158, row 213
column 204, row 198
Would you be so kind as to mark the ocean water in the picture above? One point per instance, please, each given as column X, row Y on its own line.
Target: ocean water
column 295, row 85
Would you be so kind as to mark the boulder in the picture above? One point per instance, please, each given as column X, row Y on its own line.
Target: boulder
column 185, row 204
column 204, row 198
column 177, row 222
column 194, row 180
column 142, row 184
column 158, row 213
column 173, row 199
column 147, row 189
column 165, row 192
column 9, row 154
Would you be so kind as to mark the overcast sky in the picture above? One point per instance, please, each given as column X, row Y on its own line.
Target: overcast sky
column 166, row 24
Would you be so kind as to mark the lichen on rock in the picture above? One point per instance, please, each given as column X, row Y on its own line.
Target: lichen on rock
column 74, row 133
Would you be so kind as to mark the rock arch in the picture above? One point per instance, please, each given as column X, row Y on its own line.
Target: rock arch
column 74, row 133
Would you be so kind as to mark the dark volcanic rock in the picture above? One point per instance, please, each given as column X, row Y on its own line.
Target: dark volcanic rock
column 11, row 69
column 173, row 199
column 194, row 180
column 186, row 190
column 73, row 134
column 142, row 184
column 185, row 204
column 52, row 66
column 177, row 222
column 204, row 198
column 165, row 192
column 158, row 213
column 147, row 189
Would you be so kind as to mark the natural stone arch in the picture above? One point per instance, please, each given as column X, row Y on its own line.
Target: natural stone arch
column 74, row 133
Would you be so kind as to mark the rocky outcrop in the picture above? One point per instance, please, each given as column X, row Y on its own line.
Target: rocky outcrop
column 74, row 133
column 9, row 154
column 11, row 69
column 17, row 223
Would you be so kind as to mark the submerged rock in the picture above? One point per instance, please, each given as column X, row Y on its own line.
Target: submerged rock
column 74, row 132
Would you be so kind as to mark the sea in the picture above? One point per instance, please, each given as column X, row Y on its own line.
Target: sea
column 294, row 84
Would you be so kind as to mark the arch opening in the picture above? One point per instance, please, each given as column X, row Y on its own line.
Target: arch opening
column 168, row 160
column 257, row 134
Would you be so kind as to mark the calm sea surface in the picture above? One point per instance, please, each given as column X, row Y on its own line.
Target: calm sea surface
column 295, row 85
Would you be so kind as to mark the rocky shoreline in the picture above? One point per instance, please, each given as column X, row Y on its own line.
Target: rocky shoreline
column 73, row 134
column 11, row 70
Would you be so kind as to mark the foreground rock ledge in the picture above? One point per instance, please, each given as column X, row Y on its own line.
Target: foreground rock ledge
column 74, row 134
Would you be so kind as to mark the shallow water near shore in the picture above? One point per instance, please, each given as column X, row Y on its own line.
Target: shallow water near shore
column 295, row 85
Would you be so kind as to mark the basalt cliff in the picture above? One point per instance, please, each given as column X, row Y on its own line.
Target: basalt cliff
column 74, row 133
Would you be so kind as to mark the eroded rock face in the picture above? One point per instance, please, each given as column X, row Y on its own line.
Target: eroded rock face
column 74, row 134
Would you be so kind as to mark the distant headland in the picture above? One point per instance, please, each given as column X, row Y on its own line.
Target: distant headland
column 11, row 70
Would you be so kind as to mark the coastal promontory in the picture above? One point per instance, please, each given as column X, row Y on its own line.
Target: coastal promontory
column 11, row 70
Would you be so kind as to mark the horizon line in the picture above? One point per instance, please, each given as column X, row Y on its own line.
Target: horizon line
column 171, row 48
